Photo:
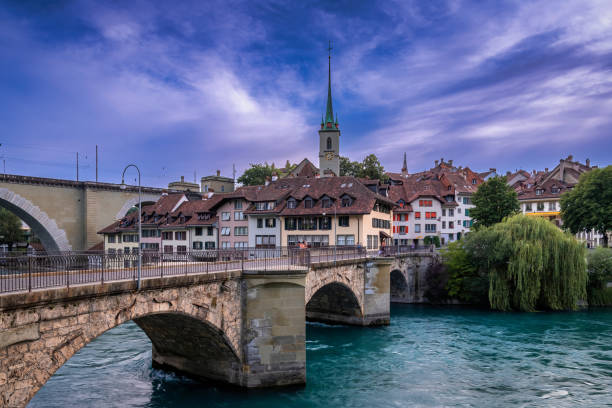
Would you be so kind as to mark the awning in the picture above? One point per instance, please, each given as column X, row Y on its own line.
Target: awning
column 543, row 214
column 384, row 234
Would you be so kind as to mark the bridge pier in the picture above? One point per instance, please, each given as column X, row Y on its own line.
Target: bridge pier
column 245, row 328
column 352, row 292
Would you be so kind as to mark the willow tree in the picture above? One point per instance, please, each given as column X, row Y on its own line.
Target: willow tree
column 534, row 265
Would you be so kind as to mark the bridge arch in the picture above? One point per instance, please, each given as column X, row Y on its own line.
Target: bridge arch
column 51, row 236
column 399, row 286
column 334, row 302
column 133, row 202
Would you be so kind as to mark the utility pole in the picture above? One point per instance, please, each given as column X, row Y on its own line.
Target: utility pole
column 96, row 163
column 77, row 163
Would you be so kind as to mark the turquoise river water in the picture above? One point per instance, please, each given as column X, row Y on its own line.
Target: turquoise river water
column 427, row 357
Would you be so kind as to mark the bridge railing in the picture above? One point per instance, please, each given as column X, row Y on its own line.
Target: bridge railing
column 32, row 272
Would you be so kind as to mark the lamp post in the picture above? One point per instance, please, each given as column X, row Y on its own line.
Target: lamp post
column 123, row 187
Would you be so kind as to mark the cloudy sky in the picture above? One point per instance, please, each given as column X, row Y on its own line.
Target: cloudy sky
column 179, row 87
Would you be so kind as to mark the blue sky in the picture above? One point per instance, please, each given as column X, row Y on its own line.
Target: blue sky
column 185, row 86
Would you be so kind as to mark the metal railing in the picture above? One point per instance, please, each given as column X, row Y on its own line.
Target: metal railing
column 65, row 269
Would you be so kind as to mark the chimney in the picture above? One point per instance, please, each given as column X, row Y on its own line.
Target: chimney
column 450, row 162
column 570, row 157
column 533, row 172
column 182, row 179
column 441, row 160
column 588, row 162
column 436, row 163
column 218, row 173
column 492, row 169
column 508, row 173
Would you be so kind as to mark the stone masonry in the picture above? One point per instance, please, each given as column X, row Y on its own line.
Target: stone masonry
column 409, row 274
column 244, row 329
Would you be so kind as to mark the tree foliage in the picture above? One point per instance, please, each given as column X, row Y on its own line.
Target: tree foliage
column 532, row 264
column 370, row 168
column 589, row 204
column 466, row 281
column 10, row 228
column 599, row 263
column 256, row 174
column 494, row 200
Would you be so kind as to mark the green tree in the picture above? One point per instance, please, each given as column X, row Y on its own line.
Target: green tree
column 532, row 264
column 256, row 174
column 370, row 167
column 494, row 200
column 589, row 204
column 599, row 263
column 466, row 282
column 10, row 228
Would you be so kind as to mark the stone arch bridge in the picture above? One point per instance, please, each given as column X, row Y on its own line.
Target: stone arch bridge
column 243, row 327
column 66, row 215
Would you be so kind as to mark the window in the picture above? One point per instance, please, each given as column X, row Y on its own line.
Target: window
column 267, row 205
column 111, row 239
column 417, row 215
column 326, row 202
column 225, row 245
column 203, row 216
column 238, row 216
column 458, row 210
column 555, row 190
column 241, row 245
column 270, row 222
column 329, row 143
column 308, row 223
column 403, row 229
column 539, row 191
column 467, row 212
column 372, row 241
column 308, row 203
column 425, row 203
column 449, row 188
column 325, row 223
column 430, row 215
column 209, row 231
column 148, row 233
column 260, row 223
column 451, row 212
column 197, row 245
column 443, row 224
column 430, row 227
column 238, row 205
column 291, row 203
column 225, row 231
column 198, row 232
column 241, row 231
column 346, row 201
column 378, row 223
column 168, row 249
column 167, row 235
column 181, row 249
column 225, row 216
column 126, row 250
column 343, row 221
column 417, row 227
column 467, row 200
column 345, row 240
column 552, row 206
column 444, row 212
column 528, row 207
column 180, row 235
column 451, row 224
column 473, row 181
column 540, row 206
column 209, row 245
column 290, row 224
column 265, row 241
column 311, row 240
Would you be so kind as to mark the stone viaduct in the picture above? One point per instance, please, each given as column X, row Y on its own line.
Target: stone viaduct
column 409, row 276
column 66, row 215
column 241, row 327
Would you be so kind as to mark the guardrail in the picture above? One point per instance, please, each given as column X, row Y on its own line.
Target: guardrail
column 38, row 271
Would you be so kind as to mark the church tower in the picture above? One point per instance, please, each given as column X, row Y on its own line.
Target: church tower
column 329, row 135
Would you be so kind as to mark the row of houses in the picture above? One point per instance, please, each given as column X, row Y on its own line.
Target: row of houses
column 285, row 212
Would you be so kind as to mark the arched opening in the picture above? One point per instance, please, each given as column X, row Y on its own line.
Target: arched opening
column 329, row 143
column 334, row 303
column 52, row 238
column 180, row 343
column 399, row 287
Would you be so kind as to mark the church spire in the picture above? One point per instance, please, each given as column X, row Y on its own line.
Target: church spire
column 329, row 113
column 405, row 166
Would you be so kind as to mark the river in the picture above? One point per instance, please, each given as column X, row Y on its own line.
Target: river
column 428, row 357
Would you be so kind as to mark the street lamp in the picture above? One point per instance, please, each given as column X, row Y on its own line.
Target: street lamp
column 123, row 187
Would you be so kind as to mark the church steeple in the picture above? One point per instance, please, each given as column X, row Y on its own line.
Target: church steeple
column 405, row 166
column 329, row 112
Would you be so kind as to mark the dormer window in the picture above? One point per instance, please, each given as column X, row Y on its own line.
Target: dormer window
column 473, row 181
column 291, row 203
column 308, row 203
column 555, row 190
column 346, row 201
column 156, row 219
column 449, row 188
column 182, row 219
column 539, row 191
column 326, row 202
